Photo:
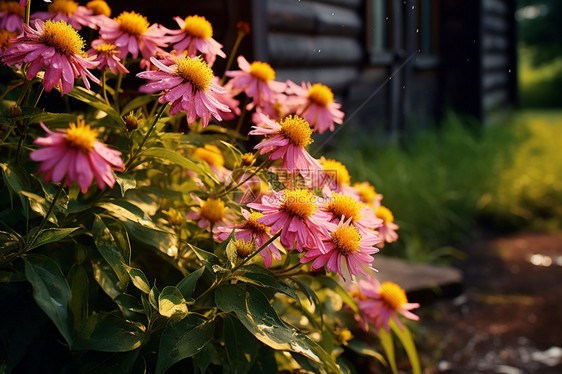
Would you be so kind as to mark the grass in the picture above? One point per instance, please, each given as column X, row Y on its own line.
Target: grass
column 441, row 183
column 539, row 87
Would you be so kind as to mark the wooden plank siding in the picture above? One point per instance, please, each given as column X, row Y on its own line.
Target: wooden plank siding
column 308, row 40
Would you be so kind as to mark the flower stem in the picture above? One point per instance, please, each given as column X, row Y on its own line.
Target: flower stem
column 25, row 128
column 136, row 153
column 239, row 38
column 45, row 219
column 241, row 118
column 261, row 166
column 104, row 85
column 118, row 88
column 27, row 12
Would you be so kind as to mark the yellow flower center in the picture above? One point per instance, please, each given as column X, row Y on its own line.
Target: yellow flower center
column 198, row 27
column 366, row 192
column 299, row 202
column 211, row 154
column 12, row 7
column 255, row 225
column 248, row 159
column 175, row 218
column 5, row 37
column 347, row 239
column 132, row 23
column 320, row 95
column 336, row 171
column 393, row 296
column 195, row 71
column 344, row 205
column 99, row 7
column 106, row 49
column 80, row 136
column 297, row 130
column 262, row 71
column 63, row 38
column 63, row 6
column 213, row 210
column 385, row 214
column 243, row 248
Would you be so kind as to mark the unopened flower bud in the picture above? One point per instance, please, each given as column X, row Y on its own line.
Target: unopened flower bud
column 131, row 121
column 15, row 111
column 238, row 250
column 243, row 27
column 99, row 7
column 175, row 218
column 248, row 159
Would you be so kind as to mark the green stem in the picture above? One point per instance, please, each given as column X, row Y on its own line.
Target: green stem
column 104, row 85
column 45, row 219
column 241, row 118
column 118, row 88
column 136, row 153
column 27, row 12
column 25, row 128
column 239, row 38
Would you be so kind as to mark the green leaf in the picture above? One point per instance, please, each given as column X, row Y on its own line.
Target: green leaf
column 171, row 303
column 208, row 259
column 113, row 245
column 129, row 305
column 79, row 292
column 365, row 350
column 183, row 339
column 187, row 285
column 96, row 101
column 241, row 346
column 50, row 291
column 125, row 182
column 52, row 235
column 153, row 297
column 388, row 346
column 139, row 279
column 106, row 278
column 177, row 159
column 262, row 277
column 39, row 205
column 255, row 312
column 108, row 333
column 10, row 242
column 407, row 341
column 15, row 181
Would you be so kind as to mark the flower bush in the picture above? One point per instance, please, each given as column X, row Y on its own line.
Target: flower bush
column 190, row 251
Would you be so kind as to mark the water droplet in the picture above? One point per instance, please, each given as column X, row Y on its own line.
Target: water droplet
column 417, row 31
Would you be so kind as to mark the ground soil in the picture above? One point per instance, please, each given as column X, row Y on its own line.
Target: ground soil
column 508, row 318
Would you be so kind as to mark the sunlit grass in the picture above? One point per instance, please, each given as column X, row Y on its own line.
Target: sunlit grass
column 443, row 183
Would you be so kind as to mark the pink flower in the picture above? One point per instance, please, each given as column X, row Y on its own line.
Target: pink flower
column 287, row 140
column 11, row 16
column 210, row 214
column 107, row 55
column 188, row 86
column 72, row 13
column 256, row 80
column 195, row 36
column 23, row 2
column 315, row 103
column 295, row 214
column 252, row 230
column 367, row 194
column 342, row 207
column 388, row 229
column 381, row 302
column 226, row 98
column 344, row 244
column 75, row 155
column 56, row 48
column 131, row 33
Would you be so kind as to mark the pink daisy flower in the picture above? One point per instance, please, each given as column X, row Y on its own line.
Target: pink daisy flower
column 343, row 246
column 225, row 97
column 388, row 229
column 252, row 230
column 107, row 55
column 381, row 302
column 295, row 214
column 287, row 140
column 188, row 86
column 342, row 207
column 210, row 214
column 367, row 194
column 56, row 48
column 196, row 37
column 275, row 110
column 75, row 155
column 72, row 13
column 11, row 16
column 315, row 103
column 131, row 33
column 256, row 80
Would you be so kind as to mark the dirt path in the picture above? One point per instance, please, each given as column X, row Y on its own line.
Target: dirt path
column 509, row 319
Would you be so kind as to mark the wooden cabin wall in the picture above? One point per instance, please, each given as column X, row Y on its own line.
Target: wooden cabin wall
column 311, row 40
